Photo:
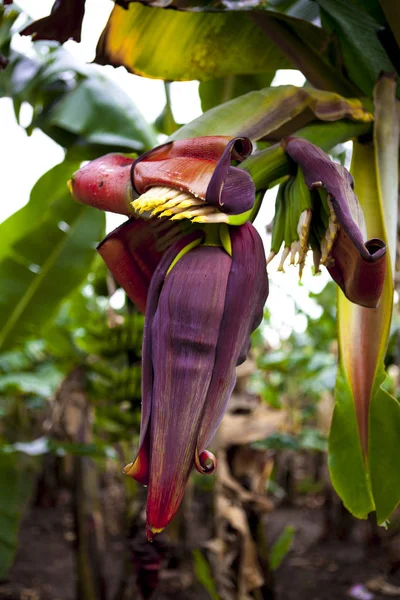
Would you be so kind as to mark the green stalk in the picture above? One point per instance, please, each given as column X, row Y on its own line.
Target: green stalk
column 270, row 165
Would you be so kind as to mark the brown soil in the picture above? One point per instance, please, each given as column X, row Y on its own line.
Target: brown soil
column 317, row 568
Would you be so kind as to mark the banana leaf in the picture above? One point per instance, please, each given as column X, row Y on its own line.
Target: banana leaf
column 365, row 432
column 48, row 252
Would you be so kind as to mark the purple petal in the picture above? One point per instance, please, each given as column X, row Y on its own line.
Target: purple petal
column 139, row 468
column 246, row 294
column 238, row 193
column 130, row 253
column 184, row 335
column 230, row 200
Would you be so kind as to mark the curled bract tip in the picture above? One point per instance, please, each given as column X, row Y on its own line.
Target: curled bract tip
column 198, row 167
column 337, row 228
column 205, row 462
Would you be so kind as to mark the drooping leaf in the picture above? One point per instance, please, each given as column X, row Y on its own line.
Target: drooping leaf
column 174, row 45
column 272, row 112
column 177, row 45
column 100, row 113
column 44, row 265
column 165, row 122
column 75, row 104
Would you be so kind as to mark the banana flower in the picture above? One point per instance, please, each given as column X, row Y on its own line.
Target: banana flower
column 318, row 208
column 203, row 284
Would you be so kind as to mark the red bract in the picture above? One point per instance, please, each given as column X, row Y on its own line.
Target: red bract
column 202, row 167
column 199, row 318
column 105, row 184
column 133, row 251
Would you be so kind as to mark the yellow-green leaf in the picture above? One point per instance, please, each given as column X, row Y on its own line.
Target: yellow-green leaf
column 174, row 45
column 273, row 112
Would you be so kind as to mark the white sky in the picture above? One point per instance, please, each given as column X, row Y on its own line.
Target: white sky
column 24, row 159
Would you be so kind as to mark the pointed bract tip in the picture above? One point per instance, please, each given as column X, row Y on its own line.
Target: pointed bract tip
column 139, row 469
column 152, row 532
column 127, row 468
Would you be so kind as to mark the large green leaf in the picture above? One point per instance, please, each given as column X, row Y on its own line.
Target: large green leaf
column 45, row 265
column 50, row 187
column 75, row 104
column 174, row 45
column 356, row 30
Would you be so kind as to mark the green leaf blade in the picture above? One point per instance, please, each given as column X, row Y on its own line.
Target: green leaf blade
column 281, row 547
column 384, row 436
column 32, row 292
column 363, row 54
column 346, row 464
column 46, row 190
column 181, row 46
